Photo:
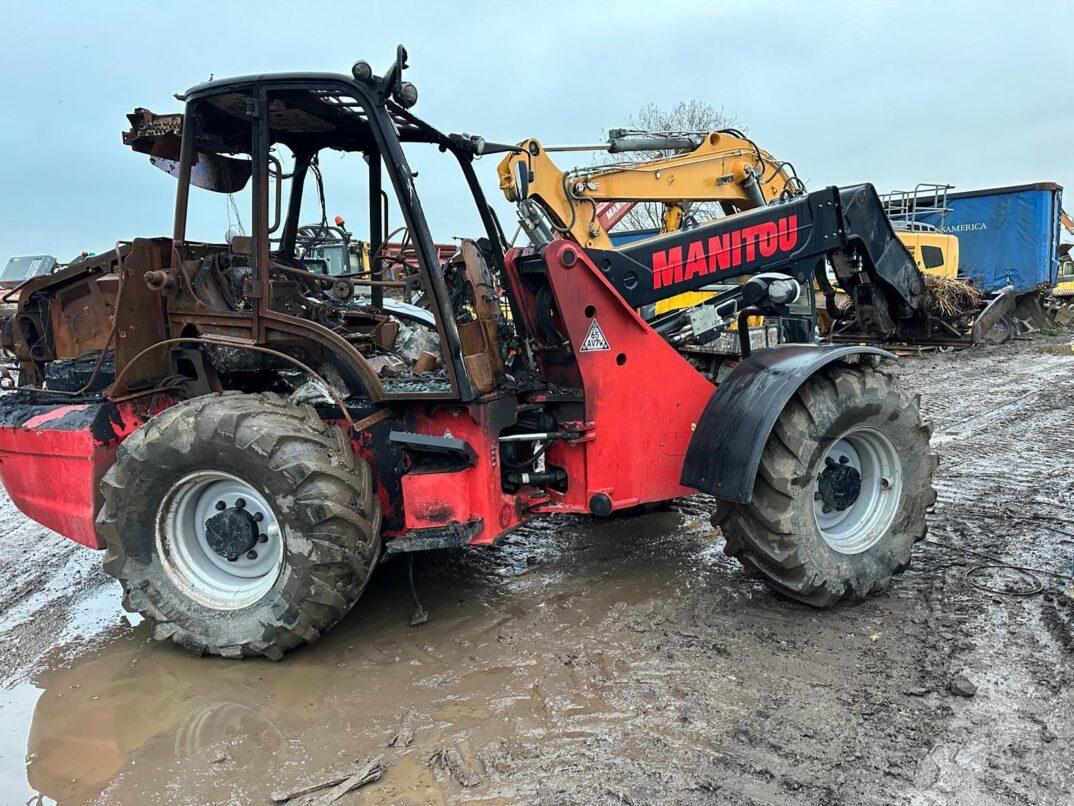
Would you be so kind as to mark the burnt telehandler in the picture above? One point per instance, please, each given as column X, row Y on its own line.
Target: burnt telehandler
column 246, row 439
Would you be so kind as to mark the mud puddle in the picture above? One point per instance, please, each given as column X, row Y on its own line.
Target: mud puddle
column 128, row 720
column 619, row 661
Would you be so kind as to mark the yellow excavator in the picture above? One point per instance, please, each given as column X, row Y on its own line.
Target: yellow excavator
column 725, row 167
column 934, row 252
column 583, row 204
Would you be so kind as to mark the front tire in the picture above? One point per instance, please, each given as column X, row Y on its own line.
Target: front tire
column 842, row 491
column 239, row 525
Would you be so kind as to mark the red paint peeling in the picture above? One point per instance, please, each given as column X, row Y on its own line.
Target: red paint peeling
column 49, row 416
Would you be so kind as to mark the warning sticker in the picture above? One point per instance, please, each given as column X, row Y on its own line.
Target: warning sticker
column 594, row 340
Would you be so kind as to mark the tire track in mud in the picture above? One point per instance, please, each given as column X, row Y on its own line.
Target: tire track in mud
column 1005, row 490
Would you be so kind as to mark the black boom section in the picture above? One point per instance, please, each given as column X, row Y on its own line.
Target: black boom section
column 847, row 226
column 786, row 236
column 867, row 223
column 877, row 270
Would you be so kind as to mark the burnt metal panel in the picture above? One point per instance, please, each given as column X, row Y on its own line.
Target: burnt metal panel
column 141, row 320
column 454, row 535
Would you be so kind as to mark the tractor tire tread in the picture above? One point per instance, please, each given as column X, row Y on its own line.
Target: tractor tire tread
column 332, row 525
column 764, row 534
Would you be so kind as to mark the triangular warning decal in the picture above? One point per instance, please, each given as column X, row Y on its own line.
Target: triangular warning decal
column 594, row 340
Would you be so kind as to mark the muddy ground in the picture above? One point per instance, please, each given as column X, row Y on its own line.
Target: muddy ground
column 618, row 661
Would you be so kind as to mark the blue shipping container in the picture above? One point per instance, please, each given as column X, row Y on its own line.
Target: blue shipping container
column 631, row 235
column 1006, row 236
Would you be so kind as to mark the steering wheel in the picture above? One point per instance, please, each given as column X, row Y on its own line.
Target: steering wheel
column 400, row 258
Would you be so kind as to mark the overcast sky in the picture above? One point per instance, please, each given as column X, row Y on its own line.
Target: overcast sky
column 975, row 94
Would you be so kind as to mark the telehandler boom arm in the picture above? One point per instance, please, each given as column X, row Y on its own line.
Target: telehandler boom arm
column 846, row 228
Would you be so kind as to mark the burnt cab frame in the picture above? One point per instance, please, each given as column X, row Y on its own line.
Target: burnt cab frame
column 309, row 112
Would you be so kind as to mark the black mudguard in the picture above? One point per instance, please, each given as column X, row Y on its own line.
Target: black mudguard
column 725, row 450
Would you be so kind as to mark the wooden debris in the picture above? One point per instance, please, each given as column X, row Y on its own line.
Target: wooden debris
column 450, row 760
column 332, row 789
column 286, row 797
column 404, row 735
column 953, row 296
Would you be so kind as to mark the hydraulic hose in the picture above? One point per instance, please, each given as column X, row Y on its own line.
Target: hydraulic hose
column 829, row 290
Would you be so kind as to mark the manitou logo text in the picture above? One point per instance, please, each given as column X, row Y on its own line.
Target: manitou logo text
column 722, row 252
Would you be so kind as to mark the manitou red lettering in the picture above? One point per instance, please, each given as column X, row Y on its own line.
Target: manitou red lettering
column 667, row 267
column 720, row 252
column 749, row 235
column 788, row 233
column 696, row 264
column 758, row 241
column 769, row 236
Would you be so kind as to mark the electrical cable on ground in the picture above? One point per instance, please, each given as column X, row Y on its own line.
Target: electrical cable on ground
column 1035, row 581
column 996, row 562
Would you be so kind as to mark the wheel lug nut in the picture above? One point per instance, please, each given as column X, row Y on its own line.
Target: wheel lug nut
column 817, row 496
column 829, row 461
column 240, row 503
column 259, row 516
column 251, row 555
column 221, row 506
column 826, row 509
column 843, row 460
column 232, row 559
column 262, row 538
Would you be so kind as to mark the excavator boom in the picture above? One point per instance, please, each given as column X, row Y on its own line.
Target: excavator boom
column 723, row 166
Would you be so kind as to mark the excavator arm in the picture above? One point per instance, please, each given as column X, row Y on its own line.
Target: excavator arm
column 582, row 204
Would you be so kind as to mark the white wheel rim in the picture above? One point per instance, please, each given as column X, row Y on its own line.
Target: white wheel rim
column 857, row 526
column 188, row 557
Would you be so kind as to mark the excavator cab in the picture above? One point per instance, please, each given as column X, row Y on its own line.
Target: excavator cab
column 331, row 250
column 934, row 251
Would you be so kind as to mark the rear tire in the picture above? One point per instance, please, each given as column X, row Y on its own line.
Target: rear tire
column 842, row 491
column 183, row 507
